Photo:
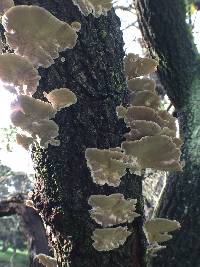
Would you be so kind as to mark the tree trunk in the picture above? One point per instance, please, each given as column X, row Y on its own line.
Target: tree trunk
column 168, row 37
column 33, row 225
column 94, row 71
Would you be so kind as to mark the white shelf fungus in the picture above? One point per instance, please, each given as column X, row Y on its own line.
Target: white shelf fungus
column 33, row 116
column 45, row 132
column 157, row 229
column 141, row 84
column 106, row 165
column 61, row 98
column 19, row 74
column 157, row 152
column 5, row 5
column 109, row 238
column 46, row 260
column 35, row 33
column 142, row 128
column 34, row 108
column 24, row 141
column 136, row 66
column 95, row 7
column 145, row 98
column 161, row 117
column 112, row 210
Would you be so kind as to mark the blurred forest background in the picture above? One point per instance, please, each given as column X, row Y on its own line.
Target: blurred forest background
column 16, row 172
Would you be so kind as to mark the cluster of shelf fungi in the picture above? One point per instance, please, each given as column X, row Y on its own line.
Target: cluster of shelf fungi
column 37, row 37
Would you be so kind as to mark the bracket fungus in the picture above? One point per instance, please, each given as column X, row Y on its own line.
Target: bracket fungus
column 36, row 34
column 46, row 260
column 95, row 7
column 157, row 229
column 112, row 210
column 106, row 165
column 61, row 98
column 109, row 238
column 5, row 5
column 24, row 141
column 157, row 152
column 19, row 74
column 34, row 108
column 33, row 116
column 136, row 66
column 141, row 84
column 151, row 143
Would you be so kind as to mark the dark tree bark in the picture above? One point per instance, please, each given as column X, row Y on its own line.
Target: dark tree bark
column 168, row 37
column 37, row 239
column 94, row 71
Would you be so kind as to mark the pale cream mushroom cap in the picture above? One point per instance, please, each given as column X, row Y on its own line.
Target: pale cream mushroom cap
column 142, row 128
column 24, row 141
column 145, row 98
column 46, row 260
column 19, row 73
column 5, row 5
column 106, row 166
column 161, row 117
column 45, row 132
column 109, row 238
column 35, row 33
column 19, row 119
column 136, row 66
column 95, row 7
column 157, row 152
column 112, row 210
column 140, row 84
column 61, row 98
column 157, row 229
column 33, row 108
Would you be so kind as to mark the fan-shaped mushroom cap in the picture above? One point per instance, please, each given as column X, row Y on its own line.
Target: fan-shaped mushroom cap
column 24, row 141
column 142, row 128
column 61, row 98
column 46, row 260
column 157, row 229
column 45, row 132
column 106, row 166
column 139, row 84
column 113, row 209
column 95, row 7
column 35, row 33
column 145, row 98
column 157, row 152
column 142, row 113
column 136, row 66
column 19, row 73
column 109, row 238
column 19, row 119
column 33, row 108
column 170, row 121
column 5, row 5
column 162, row 118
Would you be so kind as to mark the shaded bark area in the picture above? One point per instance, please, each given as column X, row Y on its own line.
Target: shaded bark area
column 33, row 225
column 94, row 71
column 168, row 37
